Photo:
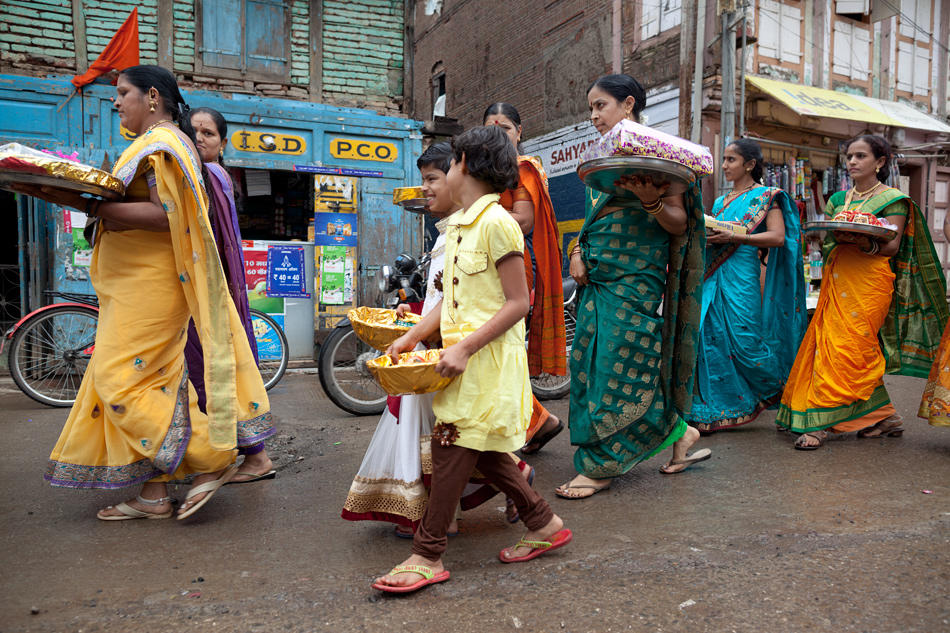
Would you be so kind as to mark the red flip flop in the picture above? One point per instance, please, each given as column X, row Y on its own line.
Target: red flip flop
column 560, row 539
column 429, row 577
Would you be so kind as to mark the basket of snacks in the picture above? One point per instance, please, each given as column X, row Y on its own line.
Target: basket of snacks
column 27, row 166
column 380, row 327
column 415, row 373
column 411, row 199
column 867, row 224
column 634, row 150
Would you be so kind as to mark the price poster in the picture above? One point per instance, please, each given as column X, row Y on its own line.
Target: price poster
column 285, row 272
column 333, row 275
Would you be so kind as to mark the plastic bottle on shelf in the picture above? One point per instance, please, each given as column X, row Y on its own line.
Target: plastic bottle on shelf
column 814, row 262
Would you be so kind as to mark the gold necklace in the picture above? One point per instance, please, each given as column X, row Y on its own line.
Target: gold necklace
column 735, row 194
column 155, row 125
column 864, row 193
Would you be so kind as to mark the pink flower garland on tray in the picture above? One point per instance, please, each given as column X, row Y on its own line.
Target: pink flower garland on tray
column 632, row 139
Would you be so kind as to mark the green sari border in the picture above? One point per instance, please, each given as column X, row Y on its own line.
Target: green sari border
column 825, row 418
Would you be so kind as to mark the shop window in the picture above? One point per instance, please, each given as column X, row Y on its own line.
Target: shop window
column 659, row 16
column 438, row 90
column 853, row 7
column 915, row 18
column 780, row 28
column 273, row 205
column 913, row 68
column 243, row 39
column 852, row 50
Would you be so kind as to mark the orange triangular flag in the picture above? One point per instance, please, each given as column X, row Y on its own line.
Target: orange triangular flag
column 121, row 52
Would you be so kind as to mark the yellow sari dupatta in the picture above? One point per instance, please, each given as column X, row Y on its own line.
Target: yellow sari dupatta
column 181, row 190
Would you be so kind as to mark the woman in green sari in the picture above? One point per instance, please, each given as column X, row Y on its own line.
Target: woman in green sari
column 632, row 367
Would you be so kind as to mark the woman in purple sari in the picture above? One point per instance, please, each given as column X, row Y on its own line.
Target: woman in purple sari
column 212, row 130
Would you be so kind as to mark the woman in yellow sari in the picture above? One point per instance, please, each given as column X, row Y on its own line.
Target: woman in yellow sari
column 155, row 266
column 881, row 310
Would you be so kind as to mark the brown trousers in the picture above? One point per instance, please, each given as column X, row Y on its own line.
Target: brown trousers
column 451, row 468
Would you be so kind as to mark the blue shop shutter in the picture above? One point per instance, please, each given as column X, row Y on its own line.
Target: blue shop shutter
column 266, row 36
column 221, row 33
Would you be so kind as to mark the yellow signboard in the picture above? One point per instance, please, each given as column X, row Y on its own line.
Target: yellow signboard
column 819, row 102
column 268, row 143
column 361, row 149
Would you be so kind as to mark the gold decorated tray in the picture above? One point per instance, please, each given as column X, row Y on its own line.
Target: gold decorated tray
column 415, row 373
column 602, row 174
column 879, row 233
column 27, row 166
column 380, row 327
column 411, row 199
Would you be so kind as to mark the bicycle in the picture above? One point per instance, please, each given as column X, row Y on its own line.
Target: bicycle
column 50, row 348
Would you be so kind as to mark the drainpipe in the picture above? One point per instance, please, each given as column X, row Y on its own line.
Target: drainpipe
column 727, row 129
column 742, row 72
column 617, row 40
column 695, row 134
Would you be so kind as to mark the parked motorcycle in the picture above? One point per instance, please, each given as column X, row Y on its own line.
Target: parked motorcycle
column 341, row 364
column 343, row 372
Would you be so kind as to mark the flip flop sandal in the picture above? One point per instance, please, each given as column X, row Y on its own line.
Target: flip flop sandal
column 211, row 487
column 695, row 458
column 542, row 440
column 568, row 486
column 559, row 539
column 253, row 477
column 429, row 577
column 799, row 443
column 886, row 428
column 509, row 502
column 129, row 513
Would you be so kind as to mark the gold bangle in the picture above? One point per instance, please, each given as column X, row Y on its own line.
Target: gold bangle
column 654, row 211
column 652, row 205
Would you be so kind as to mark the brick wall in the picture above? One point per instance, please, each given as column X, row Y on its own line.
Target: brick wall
column 37, row 35
column 362, row 47
column 539, row 56
column 363, row 52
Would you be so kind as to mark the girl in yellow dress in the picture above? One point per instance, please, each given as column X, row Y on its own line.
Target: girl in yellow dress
column 155, row 266
column 484, row 413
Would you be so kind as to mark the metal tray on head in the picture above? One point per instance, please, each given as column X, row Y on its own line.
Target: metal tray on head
column 602, row 173
column 878, row 233
column 10, row 176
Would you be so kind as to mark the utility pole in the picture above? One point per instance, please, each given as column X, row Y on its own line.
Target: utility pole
column 727, row 128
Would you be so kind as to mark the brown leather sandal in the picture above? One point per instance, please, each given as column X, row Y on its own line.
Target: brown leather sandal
column 800, row 442
column 888, row 427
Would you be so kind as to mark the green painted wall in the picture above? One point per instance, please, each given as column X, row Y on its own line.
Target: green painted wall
column 362, row 45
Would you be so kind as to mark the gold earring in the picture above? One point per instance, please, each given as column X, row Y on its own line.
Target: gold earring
column 151, row 106
column 877, row 170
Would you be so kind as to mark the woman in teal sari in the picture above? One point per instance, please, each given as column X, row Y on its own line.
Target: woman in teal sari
column 632, row 367
column 749, row 335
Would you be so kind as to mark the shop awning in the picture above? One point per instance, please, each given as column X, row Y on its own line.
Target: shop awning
column 818, row 102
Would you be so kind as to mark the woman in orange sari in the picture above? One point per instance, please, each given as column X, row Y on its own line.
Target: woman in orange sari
column 881, row 310
column 530, row 205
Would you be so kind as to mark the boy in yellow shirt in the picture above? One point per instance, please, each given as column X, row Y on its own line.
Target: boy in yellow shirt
column 484, row 413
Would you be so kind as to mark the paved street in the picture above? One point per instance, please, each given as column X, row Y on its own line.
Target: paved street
column 761, row 538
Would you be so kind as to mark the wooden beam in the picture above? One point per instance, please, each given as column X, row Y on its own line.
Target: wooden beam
column 79, row 37
column 166, row 34
column 316, row 51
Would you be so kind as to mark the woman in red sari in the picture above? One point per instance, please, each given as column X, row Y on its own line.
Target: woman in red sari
column 530, row 205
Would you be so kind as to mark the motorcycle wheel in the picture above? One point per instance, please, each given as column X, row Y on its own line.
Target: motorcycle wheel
column 344, row 376
column 550, row 387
